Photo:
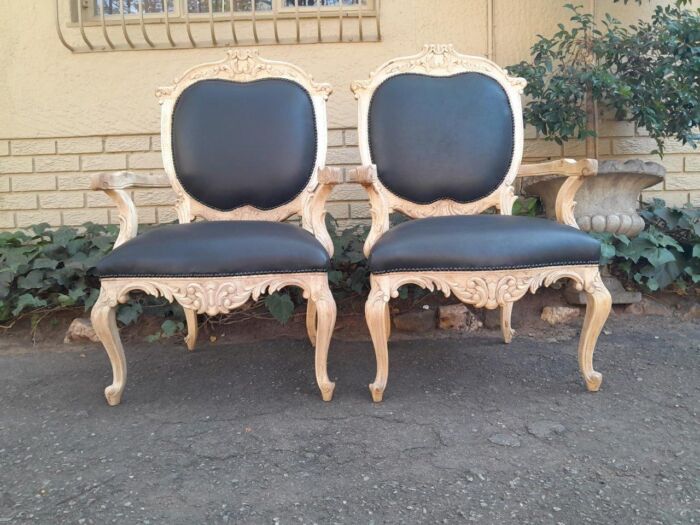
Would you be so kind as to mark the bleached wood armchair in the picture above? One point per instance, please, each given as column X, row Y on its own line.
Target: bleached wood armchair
column 244, row 145
column 441, row 140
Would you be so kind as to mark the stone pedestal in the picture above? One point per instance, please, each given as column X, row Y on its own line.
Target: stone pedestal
column 607, row 202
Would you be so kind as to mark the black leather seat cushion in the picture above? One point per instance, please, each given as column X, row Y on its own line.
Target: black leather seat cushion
column 244, row 143
column 217, row 248
column 435, row 138
column 481, row 242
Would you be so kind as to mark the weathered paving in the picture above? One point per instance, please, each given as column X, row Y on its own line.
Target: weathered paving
column 470, row 429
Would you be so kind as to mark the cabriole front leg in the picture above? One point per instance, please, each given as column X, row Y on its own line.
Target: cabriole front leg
column 325, row 316
column 104, row 322
column 598, row 304
column 376, row 309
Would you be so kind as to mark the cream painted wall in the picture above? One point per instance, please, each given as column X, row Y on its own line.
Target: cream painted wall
column 46, row 91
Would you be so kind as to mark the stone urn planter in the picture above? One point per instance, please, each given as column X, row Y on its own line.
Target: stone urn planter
column 608, row 202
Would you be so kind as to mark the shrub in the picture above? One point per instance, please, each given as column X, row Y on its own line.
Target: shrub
column 649, row 73
column 48, row 269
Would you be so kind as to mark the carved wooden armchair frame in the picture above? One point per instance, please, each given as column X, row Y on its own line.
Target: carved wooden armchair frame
column 211, row 294
column 489, row 289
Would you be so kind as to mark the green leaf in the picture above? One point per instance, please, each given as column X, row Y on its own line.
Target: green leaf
column 65, row 300
column 169, row 328
column 280, row 305
column 130, row 312
column 27, row 302
column 44, row 263
column 32, row 281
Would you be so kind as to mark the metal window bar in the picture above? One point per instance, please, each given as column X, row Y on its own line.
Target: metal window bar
column 91, row 33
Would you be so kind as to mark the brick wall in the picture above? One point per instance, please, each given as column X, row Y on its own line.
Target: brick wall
column 47, row 180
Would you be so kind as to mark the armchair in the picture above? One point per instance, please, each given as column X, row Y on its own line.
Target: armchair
column 244, row 147
column 441, row 140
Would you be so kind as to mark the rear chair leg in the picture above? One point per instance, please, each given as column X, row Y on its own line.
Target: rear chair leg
column 506, row 328
column 104, row 322
column 325, row 314
column 598, row 304
column 192, row 329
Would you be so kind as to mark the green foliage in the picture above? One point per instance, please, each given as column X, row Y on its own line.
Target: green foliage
column 280, row 305
column 349, row 274
column 47, row 268
column 527, row 206
column 649, row 73
column 169, row 328
column 666, row 254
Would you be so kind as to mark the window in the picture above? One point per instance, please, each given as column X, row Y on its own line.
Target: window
column 124, row 25
column 177, row 7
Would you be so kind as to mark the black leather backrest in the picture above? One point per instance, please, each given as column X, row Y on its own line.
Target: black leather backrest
column 436, row 138
column 244, row 143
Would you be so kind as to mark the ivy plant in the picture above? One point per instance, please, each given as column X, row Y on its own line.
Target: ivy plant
column 665, row 254
column 648, row 73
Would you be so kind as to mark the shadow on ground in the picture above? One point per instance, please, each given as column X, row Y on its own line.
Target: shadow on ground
column 470, row 430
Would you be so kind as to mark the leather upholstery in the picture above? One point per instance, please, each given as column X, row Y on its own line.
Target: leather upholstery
column 220, row 248
column 434, row 138
column 481, row 242
column 244, row 143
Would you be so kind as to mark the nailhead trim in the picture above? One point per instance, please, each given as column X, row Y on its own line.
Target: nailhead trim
column 486, row 268
column 196, row 275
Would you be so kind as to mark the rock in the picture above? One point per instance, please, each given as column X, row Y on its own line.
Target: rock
column 648, row 307
column 80, row 330
column 420, row 321
column 692, row 313
column 545, row 429
column 457, row 317
column 559, row 314
column 505, row 440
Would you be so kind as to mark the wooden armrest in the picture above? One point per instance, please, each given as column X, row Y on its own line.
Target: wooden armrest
column 364, row 175
column 329, row 175
column 566, row 167
column 114, row 184
column 122, row 180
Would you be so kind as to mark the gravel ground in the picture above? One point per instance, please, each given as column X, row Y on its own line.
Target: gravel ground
column 470, row 430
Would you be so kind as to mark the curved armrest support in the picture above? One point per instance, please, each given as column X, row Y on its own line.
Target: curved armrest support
column 575, row 170
column 314, row 213
column 367, row 177
column 114, row 185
